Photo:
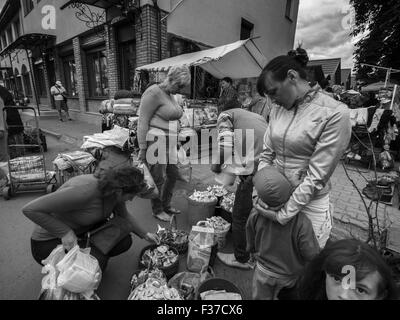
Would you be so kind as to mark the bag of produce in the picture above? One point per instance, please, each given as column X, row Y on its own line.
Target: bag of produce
column 79, row 271
column 201, row 240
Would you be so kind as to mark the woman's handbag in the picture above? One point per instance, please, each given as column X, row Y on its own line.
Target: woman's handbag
column 105, row 237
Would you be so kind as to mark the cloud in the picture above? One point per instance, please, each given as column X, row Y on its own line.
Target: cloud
column 323, row 28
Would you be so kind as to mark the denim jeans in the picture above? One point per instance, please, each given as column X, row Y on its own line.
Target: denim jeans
column 165, row 176
column 240, row 213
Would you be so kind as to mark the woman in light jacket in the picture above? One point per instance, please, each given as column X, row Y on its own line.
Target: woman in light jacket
column 307, row 135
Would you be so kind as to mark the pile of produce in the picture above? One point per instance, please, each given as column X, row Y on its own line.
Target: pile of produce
column 218, row 224
column 154, row 289
column 143, row 275
column 228, row 201
column 203, row 196
column 161, row 257
column 217, row 190
column 172, row 236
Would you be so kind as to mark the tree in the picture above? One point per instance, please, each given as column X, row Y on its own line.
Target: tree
column 381, row 46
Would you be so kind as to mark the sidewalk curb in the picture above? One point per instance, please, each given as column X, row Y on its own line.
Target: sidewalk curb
column 64, row 138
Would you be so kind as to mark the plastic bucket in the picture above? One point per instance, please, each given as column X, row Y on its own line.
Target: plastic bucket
column 217, row 284
column 199, row 211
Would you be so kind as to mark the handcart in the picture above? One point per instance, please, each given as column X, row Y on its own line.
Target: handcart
column 26, row 166
column 71, row 164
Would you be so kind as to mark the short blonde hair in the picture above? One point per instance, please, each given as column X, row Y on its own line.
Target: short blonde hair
column 179, row 74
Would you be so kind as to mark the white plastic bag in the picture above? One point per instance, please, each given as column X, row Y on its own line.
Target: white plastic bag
column 50, row 290
column 201, row 241
column 79, row 271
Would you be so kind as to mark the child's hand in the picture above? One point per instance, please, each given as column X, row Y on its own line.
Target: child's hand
column 263, row 209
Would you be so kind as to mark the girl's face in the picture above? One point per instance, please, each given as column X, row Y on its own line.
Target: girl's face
column 365, row 289
column 283, row 92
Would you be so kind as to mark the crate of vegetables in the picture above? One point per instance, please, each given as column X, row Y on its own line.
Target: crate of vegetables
column 174, row 237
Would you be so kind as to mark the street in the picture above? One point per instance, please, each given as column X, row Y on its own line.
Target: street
column 20, row 275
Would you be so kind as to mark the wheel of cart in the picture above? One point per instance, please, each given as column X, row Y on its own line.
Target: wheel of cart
column 26, row 162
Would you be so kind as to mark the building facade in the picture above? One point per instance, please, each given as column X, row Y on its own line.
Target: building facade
column 94, row 50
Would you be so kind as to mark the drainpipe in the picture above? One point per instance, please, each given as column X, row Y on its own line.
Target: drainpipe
column 158, row 18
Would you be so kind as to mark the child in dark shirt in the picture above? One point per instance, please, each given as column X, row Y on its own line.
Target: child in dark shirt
column 281, row 251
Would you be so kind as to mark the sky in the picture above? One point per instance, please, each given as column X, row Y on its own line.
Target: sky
column 323, row 27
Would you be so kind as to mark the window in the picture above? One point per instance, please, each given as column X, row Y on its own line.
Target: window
column 17, row 28
column 288, row 12
column 4, row 40
column 10, row 35
column 70, row 76
column 27, row 81
column 28, row 6
column 246, row 29
column 97, row 73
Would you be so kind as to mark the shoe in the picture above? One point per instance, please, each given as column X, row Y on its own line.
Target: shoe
column 162, row 216
column 171, row 211
column 69, row 119
column 230, row 260
column 61, row 120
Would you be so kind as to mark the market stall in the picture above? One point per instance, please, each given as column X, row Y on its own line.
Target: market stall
column 241, row 59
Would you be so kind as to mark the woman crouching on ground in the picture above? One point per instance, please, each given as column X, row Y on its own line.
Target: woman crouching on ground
column 83, row 204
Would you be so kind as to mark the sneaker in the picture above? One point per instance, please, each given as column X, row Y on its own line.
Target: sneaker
column 230, row 260
column 162, row 216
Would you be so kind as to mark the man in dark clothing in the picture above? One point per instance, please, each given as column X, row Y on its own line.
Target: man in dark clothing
column 14, row 123
column 228, row 98
column 228, row 122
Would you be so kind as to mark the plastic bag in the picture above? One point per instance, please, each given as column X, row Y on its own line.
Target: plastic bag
column 79, row 271
column 187, row 282
column 50, row 290
column 151, row 190
column 201, row 241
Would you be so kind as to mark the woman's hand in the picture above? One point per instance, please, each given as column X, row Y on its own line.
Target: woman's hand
column 152, row 237
column 263, row 209
column 69, row 240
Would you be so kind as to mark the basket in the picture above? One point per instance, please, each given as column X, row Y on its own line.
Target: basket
column 180, row 247
column 199, row 211
column 217, row 284
column 169, row 271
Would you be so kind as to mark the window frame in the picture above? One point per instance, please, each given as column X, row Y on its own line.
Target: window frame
column 289, row 10
column 28, row 6
column 92, row 56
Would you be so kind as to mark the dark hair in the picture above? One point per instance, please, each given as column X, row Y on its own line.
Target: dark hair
column 279, row 66
column 329, row 89
column 127, row 179
column 334, row 257
column 227, row 79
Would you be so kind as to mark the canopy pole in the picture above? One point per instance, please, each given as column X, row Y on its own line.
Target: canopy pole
column 194, row 82
column 33, row 79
